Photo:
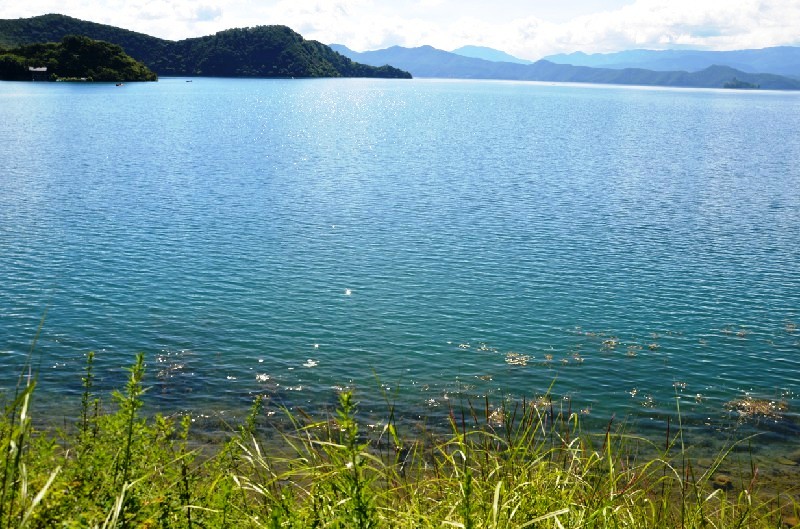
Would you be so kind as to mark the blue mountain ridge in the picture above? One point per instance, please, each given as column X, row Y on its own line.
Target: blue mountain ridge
column 780, row 60
column 488, row 54
column 427, row 61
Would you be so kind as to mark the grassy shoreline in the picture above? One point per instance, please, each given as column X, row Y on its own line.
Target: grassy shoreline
column 519, row 465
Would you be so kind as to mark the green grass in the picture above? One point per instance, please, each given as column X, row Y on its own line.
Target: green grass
column 523, row 465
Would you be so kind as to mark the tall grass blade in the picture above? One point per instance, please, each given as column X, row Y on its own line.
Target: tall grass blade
column 39, row 497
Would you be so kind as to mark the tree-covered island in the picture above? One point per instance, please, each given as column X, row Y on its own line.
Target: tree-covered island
column 740, row 85
column 74, row 58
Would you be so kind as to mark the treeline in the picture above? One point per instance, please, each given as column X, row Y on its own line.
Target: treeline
column 75, row 57
column 262, row 51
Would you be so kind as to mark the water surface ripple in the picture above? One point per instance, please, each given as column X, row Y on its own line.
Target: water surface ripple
column 430, row 240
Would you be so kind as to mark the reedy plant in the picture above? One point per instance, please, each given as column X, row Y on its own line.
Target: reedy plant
column 328, row 482
column 528, row 466
column 520, row 465
column 17, row 503
column 16, row 433
column 122, row 469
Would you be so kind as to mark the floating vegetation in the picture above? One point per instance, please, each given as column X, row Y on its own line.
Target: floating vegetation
column 740, row 332
column 517, row 359
column 750, row 408
column 497, row 417
column 542, row 401
column 610, row 343
column 653, row 346
column 679, row 385
column 633, row 350
column 171, row 363
column 262, row 377
column 464, row 346
column 791, row 327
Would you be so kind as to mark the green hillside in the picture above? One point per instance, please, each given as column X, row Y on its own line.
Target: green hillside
column 75, row 57
column 262, row 51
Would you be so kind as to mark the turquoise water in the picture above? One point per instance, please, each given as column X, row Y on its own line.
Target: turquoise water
column 424, row 242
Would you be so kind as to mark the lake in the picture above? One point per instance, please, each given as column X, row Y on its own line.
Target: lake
column 626, row 251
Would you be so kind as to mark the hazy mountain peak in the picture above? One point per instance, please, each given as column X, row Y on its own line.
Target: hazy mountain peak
column 781, row 60
column 425, row 61
column 488, row 54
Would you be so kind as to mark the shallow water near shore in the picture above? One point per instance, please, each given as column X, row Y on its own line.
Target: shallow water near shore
column 428, row 243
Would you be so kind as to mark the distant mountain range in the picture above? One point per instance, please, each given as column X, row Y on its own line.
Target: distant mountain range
column 489, row 54
column 262, row 51
column 426, row 61
column 782, row 60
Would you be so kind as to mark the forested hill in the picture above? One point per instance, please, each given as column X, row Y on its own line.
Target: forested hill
column 75, row 57
column 262, row 51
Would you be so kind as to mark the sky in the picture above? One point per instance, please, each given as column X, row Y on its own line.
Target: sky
column 529, row 29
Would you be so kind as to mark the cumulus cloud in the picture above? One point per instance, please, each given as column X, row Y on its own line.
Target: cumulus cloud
column 653, row 24
column 662, row 24
column 360, row 24
column 447, row 24
column 206, row 13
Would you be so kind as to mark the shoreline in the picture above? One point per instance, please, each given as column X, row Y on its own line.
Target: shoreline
column 758, row 440
column 369, row 473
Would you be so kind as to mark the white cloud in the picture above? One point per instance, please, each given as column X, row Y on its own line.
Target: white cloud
column 654, row 24
column 660, row 24
column 360, row 24
column 447, row 24
column 206, row 13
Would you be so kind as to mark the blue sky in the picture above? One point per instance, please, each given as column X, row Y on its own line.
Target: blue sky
column 527, row 28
